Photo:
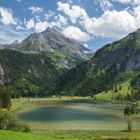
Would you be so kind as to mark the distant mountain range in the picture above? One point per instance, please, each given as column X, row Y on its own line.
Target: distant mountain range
column 35, row 63
column 48, row 63
column 53, row 42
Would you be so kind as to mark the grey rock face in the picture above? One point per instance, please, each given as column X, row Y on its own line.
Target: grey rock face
column 134, row 62
column 36, row 43
column 51, row 39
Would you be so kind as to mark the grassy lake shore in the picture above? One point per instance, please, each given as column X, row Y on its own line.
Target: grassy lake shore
column 85, row 119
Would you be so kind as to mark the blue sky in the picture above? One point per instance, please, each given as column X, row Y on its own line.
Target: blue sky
column 92, row 22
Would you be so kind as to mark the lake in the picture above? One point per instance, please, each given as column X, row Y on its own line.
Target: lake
column 76, row 116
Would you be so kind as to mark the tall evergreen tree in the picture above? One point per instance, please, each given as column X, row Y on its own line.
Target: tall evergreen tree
column 5, row 99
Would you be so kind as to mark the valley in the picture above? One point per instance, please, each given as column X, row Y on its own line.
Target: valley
column 69, row 69
column 52, row 89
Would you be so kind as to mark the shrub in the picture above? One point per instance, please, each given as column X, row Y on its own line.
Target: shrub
column 127, row 110
column 129, row 125
column 8, row 121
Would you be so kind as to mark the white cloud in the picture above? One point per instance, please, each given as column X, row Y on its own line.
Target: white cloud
column 10, row 34
column 106, row 5
column 137, row 2
column 75, row 33
column 114, row 24
column 37, row 25
column 35, row 9
column 63, row 20
column 41, row 26
column 30, row 24
column 18, row 0
column 49, row 15
column 111, row 24
column 6, row 16
column 86, row 45
column 124, row 1
column 50, row 20
column 74, row 12
column 56, row 24
column 70, row 1
column 20, row 28
column 137, row 11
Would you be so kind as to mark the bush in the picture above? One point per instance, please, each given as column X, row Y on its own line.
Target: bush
column 8, row 121
column 127, row 110
column 20, row 127
column 130, row 110
column 24, row 128
column 129, row 125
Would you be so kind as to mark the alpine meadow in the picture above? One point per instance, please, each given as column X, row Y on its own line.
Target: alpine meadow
column 70, row 70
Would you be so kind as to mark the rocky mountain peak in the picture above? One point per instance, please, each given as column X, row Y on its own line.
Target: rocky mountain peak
column 50, row 40
column 55, row 45
column 16, row 42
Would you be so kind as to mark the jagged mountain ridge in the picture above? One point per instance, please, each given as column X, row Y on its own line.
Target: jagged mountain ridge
column 53, row 43
column 51, row 38
column 36, row 62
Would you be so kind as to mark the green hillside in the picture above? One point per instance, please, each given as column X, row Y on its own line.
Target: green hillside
column 112, row 65
column 29, row 71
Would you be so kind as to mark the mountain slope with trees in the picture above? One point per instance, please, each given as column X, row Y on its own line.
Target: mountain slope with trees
column 113, row 64
column 28, row 72
column 55, row 45
column 31, row 67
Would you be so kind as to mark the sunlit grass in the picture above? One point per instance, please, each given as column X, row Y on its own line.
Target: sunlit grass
column 70, row 135
column 111, row 95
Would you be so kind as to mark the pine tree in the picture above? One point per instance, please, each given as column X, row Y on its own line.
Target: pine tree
column 5, row 99
column 116, row 89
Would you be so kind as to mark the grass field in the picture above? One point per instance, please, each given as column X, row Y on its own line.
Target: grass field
column 7, row 135
column 110, row 95
column 71, row 135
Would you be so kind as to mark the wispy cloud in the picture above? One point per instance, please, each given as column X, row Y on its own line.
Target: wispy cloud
column 18, row 0
column 7, row 16
column 10, row 34
column 35, row 9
